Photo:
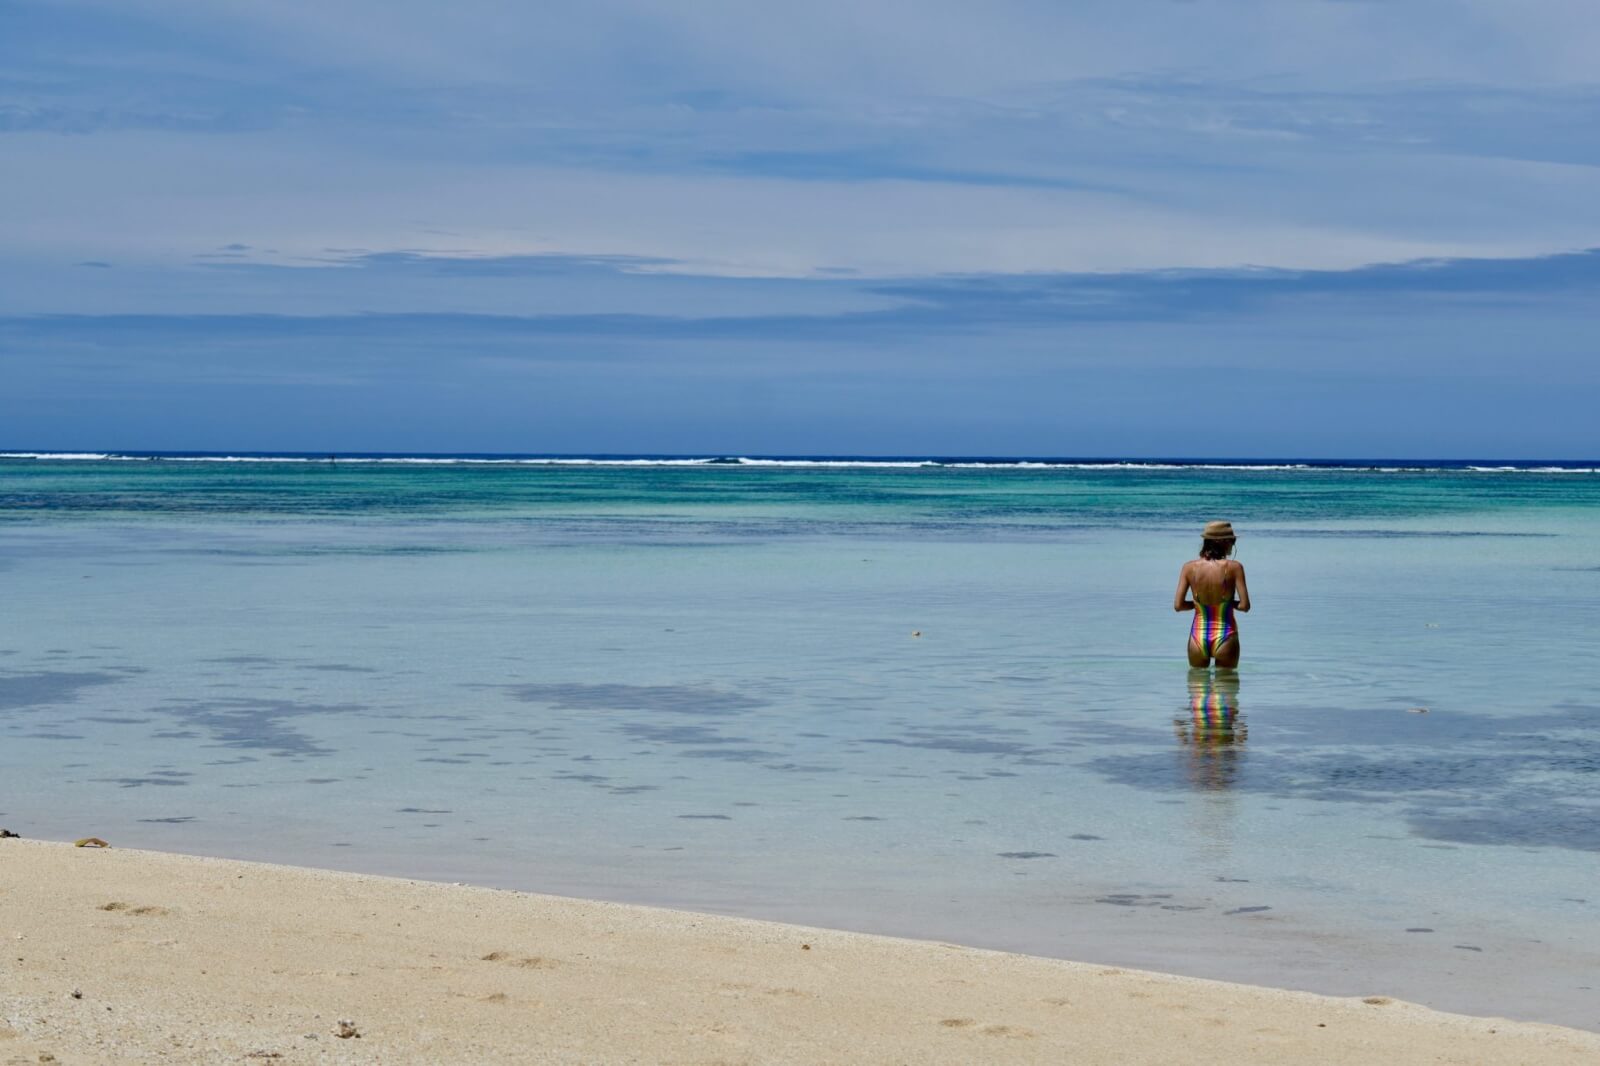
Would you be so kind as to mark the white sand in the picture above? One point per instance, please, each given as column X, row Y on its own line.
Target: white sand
column 127, row 956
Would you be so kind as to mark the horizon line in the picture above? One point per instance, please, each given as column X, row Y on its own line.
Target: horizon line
column 733, row 457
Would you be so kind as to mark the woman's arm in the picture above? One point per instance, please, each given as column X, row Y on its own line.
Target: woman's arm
column 1179, row 602
column 1241, row 589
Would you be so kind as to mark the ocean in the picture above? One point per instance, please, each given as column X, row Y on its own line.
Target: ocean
column 945, row 699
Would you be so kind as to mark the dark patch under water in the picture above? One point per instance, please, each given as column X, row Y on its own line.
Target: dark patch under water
column 680, row 734
column 674, row 699
column 802, row 768
column 962, row 745
column 159, row 778
column 256, row 723
column 1457, row 777
column 1552, row 824
column 751, row 755
column 50, row 687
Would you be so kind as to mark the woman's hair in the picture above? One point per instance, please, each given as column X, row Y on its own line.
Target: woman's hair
column 1216, row 549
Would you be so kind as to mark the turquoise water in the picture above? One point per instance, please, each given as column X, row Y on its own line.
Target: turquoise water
column 934, row 701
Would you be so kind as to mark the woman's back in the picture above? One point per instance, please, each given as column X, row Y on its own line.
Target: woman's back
column 1213, row 581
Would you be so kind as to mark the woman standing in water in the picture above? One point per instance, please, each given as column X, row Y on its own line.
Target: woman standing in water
column 1217, row 585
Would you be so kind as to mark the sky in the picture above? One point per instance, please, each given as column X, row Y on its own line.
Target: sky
column 1121, row 228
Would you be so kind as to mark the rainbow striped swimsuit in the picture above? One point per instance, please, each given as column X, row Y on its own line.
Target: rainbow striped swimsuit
column 1213, row 625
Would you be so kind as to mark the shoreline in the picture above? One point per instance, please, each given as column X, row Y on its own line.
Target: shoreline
column 192, row 959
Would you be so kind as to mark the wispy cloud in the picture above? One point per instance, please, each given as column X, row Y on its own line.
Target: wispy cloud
column 1034, row 136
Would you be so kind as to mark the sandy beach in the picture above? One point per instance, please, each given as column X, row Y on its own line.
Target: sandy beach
column 119, row 955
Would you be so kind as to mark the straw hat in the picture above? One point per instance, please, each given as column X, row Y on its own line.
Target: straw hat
column 1218, row 531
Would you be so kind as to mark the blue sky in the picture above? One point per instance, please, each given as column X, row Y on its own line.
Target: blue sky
column 1212, row 227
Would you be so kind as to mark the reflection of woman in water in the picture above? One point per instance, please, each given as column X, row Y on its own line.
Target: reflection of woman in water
column 1213, row 733
column 1217, row 585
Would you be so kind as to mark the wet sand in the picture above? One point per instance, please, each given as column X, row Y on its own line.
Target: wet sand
column 126, row 954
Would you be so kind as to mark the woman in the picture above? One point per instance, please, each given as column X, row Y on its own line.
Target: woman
column 1217, row 584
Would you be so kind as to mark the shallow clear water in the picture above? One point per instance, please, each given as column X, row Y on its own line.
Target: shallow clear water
column 703, row 687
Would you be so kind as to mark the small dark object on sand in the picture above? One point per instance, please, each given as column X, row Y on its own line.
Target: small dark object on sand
column 8, row 834
column 90, row 842
column 344, row 1029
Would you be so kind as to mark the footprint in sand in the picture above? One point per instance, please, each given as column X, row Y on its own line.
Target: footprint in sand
column 131, row 909
column 988, row 1030
column 525, row 962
